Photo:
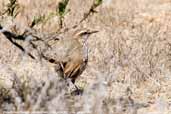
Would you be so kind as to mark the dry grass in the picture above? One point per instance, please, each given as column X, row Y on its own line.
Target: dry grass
column 129, row 63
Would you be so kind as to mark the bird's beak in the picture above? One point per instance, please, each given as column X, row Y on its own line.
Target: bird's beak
column 91, row 32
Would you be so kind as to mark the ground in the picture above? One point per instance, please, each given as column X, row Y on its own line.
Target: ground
column 129, row 65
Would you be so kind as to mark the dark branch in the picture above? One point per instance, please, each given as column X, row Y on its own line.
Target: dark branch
column 10, row 36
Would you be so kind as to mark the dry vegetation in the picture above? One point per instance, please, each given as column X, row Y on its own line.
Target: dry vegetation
column 129, row 65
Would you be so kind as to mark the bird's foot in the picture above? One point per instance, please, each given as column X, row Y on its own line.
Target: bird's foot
column 73, row 89
column 77, row 91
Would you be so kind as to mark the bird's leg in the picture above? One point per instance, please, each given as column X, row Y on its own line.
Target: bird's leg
column 71, row 85
column 74, row 90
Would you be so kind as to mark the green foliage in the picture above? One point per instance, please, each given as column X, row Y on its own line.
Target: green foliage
column 62, row 7
column 41, row 19
column 37, row 20
column 12, row 8
column 98, row 2
column 61, row 10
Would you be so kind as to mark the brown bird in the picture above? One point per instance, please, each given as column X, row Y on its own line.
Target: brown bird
column 71, row 53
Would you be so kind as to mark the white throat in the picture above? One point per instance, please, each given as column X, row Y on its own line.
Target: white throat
column 85, row 47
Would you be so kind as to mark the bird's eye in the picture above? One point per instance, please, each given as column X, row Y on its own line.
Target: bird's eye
column 51, row 60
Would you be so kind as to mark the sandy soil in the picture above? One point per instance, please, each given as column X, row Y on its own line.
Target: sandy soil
column 129, row 67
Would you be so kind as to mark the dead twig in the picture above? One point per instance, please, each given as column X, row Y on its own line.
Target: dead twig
column 12, row 37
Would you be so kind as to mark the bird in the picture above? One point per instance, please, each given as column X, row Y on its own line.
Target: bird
column 71, row 53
